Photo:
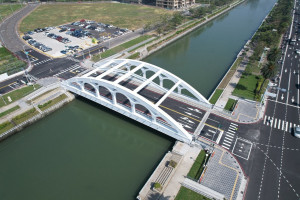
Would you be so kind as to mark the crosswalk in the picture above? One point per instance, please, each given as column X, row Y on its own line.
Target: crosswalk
column 43, row 61
column 279, row 124
column 229, row 136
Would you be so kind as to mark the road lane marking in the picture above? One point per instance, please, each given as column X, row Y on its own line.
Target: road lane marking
column 230, row 136
column 8, row 85
column 286, row 126
column 230, row 133
column 275, row 122
column 282, row 125
column 279, row 121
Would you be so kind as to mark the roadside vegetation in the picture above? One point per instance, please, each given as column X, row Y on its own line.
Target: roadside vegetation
column 52, row 102
column 8, row 9
column 197, row 168
column 120, row 48
column 216, row 96
column 129, row 16
column 17, row 94
column 255, row 78
column 9, row 111
column 187, row 194
column 24, row 116
column 9, row 63
column 230, row 104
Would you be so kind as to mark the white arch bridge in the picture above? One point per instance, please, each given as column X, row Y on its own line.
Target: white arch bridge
column 141, row 91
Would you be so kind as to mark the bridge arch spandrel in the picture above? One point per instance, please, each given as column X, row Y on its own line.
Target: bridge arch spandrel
column 178, row 131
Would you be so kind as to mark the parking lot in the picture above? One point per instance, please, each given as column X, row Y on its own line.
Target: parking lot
column 71, row 38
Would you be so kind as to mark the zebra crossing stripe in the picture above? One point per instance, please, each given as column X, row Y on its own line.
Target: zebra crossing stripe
column 229, row 136
column 225, row 147
column 282, row 127
column 279, row 123
column 265, row 119
column 271, row 122
column 268, row 121
column 226, row 143
column 232, row 128
column 275, row 122
column 286, row 126
column 228, row 139
column 233, row 124
column 230, row 133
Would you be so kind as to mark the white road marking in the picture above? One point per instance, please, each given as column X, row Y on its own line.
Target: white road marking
column 282, row 125
column 275, row 122
column 230, row 134
column 231, row 131
column 286, row 126
column 279, row 123
column 265, row 119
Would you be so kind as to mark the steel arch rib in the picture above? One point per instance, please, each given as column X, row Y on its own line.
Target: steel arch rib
column 173, row 77
column 181, row 134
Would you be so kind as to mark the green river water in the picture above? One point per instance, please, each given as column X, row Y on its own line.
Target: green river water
column 85, row 151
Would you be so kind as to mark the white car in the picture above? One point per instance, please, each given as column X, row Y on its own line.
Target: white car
column 297, row 132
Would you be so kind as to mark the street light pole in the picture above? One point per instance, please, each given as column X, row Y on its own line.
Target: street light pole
column 27, row 56
column 3, row 99
column 2, row 37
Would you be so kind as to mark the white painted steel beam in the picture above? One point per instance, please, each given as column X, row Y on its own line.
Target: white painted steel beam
column 168, row 93
column 148, row 81
column 129, row 73
column 111, row 69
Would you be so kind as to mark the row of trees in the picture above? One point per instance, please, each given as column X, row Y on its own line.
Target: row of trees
column 268, row 35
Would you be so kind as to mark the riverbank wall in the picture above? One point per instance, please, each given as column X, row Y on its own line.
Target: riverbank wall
column 143, row 56
column 238, row 55
column 37, row 117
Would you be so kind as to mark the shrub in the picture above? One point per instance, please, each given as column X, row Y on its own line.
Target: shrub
column 157, row 185
column 172, row 163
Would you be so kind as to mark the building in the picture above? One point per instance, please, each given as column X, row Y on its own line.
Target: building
column 174, row 4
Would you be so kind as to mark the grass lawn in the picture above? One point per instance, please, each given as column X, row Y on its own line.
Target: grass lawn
column 230, row 104
column 134, row 56
column 9, row 63
column 129, row 16
column 187, row 194
column 216, row 96
column 5, row 126
column 246, row 87
column 196, row 169
column 6, row 10
column 25, row 116
column 52, row 102
column 9, row 111
column 17, row 94
column 121, row 47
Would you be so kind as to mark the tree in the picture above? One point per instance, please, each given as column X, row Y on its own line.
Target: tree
column 268, row 71
column 273, row 54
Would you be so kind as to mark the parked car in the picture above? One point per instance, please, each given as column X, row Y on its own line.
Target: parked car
column 27, row 37
column 63, row 51
column 31, row 42
column 30, row 32
column 62, row 30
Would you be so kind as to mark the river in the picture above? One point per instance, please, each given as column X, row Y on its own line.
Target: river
column 85, row 151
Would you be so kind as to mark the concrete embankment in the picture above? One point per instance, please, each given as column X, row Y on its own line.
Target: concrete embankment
column 52, row 93
column 147, row 53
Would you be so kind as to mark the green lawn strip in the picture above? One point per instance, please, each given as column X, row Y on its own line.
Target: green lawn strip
column 35, row 98
column 134, row 56
column 131, row 16
column 5, row 126
column 9, row 111
column 18, row 94
column 246, row 87
column 216, row 96
column 197, row 168
column 156, row 38
column 7, row 9
column 25, row 116
column 120, row 48
column 52, row 102
column 9, row 63
column 187, row 194
column 230, row 104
